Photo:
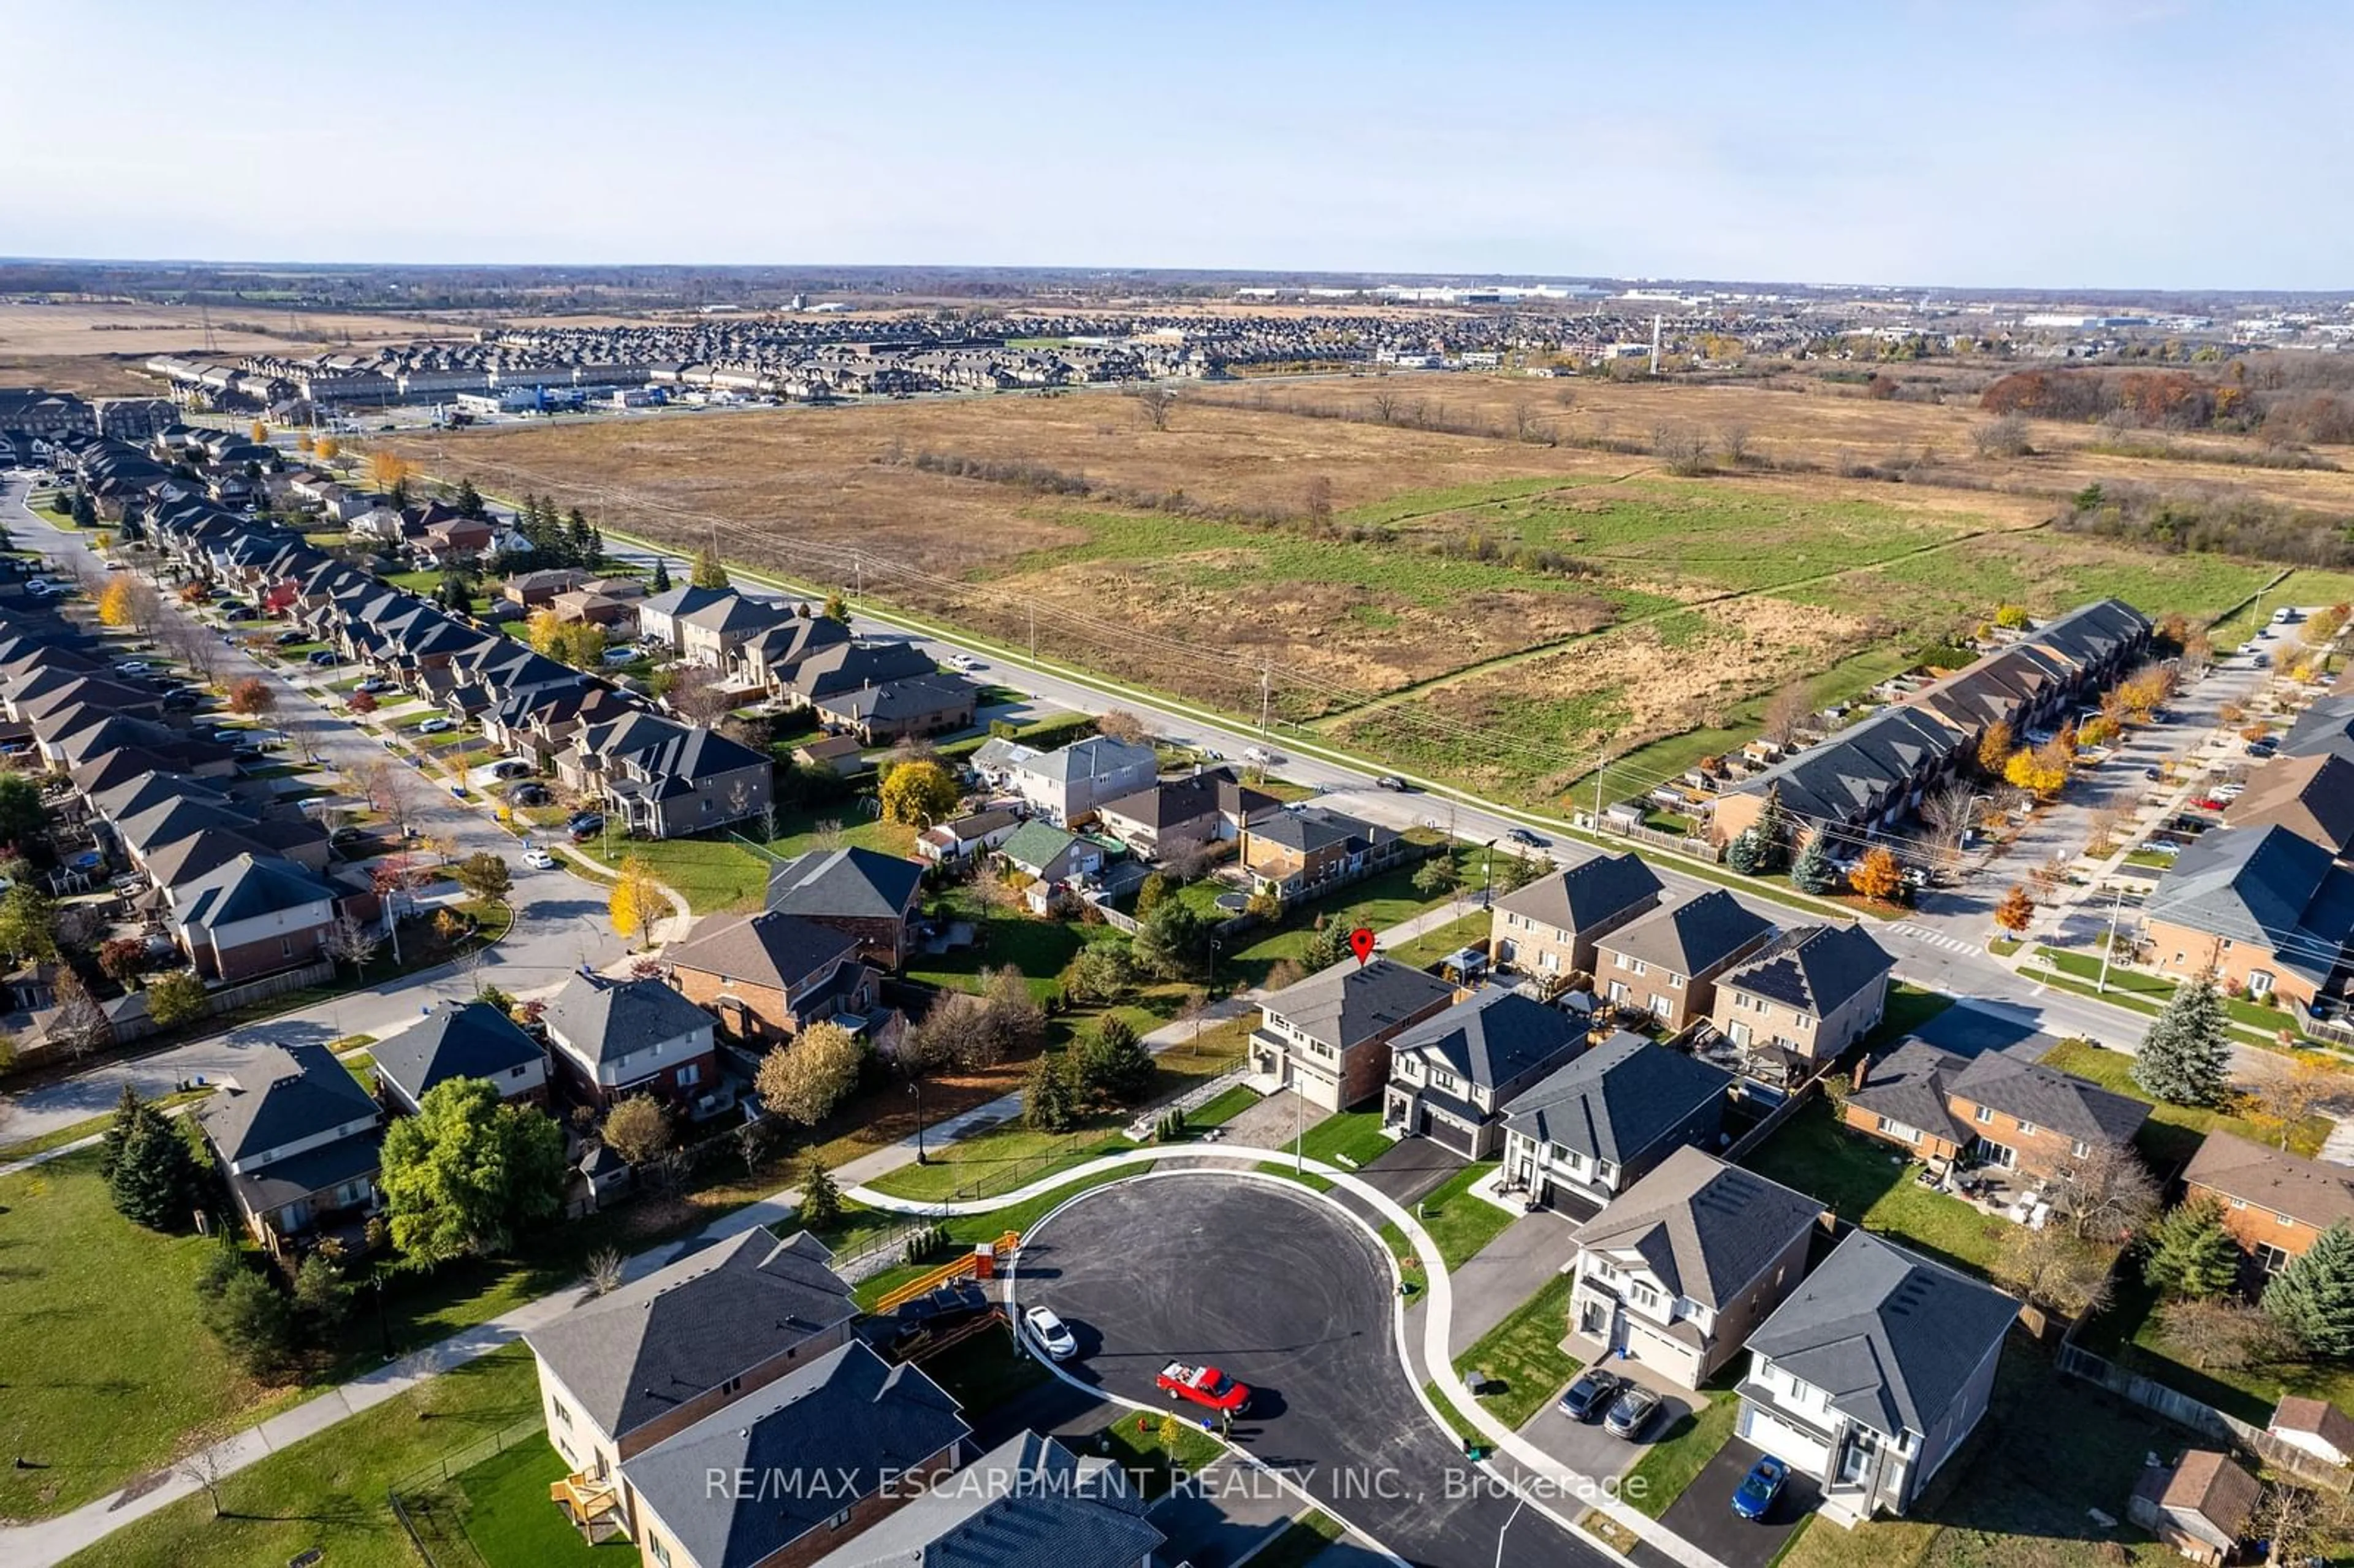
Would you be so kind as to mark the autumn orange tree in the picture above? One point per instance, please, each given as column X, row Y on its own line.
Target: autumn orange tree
column 251, row 697
column 390, row 470
column 1878, row 876
column 2034, row 771
column 1994, row 747
column 327, row 449
column 114, row 606
column 637, row 902
column 259, row 431
column 2015, row 910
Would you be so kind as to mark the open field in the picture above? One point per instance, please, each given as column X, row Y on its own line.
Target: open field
column 1488, row 607
column 238, row 327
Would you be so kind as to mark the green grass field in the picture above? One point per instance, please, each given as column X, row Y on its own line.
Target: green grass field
column 1459, row 1221
column 1523, row 1354
column 2173, row 1132
column 1871, row 1184
column 509, row 1520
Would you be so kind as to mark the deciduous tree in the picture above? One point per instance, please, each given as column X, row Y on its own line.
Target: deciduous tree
column 252, row 697
column 2016, row 911
column 484, row 874
column 1878, row 876
column 709, row 572
column 177, row 998
column 2104, row 1194
column 2280, row 1099
column 461, row 1175
column 1123, row 726
column 389, row 471
column 637, row 904
column 1786, row 712
column 27, row 924
column 808, row 1078
column 918, row 792
column 2219, row 1334
column 638, row 1129
column 2054, row 1270
column 1995, row 748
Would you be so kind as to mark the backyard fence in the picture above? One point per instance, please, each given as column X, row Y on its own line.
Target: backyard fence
column 1771, row 1122
column 432, row 1512
column 2200, row 1417
column 1679, row 844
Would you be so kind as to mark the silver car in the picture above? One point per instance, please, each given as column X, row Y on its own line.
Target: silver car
column 1632, row 1412
column 1050, row 1333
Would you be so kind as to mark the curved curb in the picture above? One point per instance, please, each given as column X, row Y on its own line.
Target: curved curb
column 1439, row 1318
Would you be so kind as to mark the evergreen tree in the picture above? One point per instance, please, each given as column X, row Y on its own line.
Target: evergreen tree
column 1327, row 946
column 84, row 510
column 470, row 500
column 1112, row 1063
column 2186, row 1057
column 2192, row 1251
column 321, row 1294
column 662, row 576
column 154, row 1180
column 2313, row 1297
column 455, row 594
column 252, row 1320
column 1048, row 1102
column 820, row 1199
column 1812, row 871
column 126, row 1122
column 579, row 535
column 1747, row 853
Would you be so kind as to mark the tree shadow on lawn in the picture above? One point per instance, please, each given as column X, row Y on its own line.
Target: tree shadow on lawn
column 1872, row 1185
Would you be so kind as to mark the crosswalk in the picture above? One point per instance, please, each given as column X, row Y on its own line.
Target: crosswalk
column 1923, row 934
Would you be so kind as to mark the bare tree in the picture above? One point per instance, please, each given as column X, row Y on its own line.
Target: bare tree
column 1682, row 446
column 2103, row 827
column 604, row 1272
column 2290, row 1519
column 2005, row 436
column 1158, row 402
column 1318, row 497
column 1122, row 726
column 830, row 834
column 697, row 694
column 2106, row 1193
column 1385, row 405
column 2055, row 1271
column 349, row 941
column 1785, row 710
column 80, row 1025
column 1528, row 428
column 2222, row 1335
column 1949, row 812
column 391, row 788
column 1735, row 438
column 205, row 1468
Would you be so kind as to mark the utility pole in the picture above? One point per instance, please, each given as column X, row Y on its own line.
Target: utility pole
column 1601, row 761
column 1266, row 694
column 858, row 574
column 1034, row 634
column 2117, row 901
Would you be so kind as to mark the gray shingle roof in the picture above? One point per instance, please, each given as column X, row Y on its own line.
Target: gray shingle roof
column 1815, row 969
column 1908, row 1085
column 1493, row 1037
column 476, row 1041
column 281, row 1094
column 1027, row 1502
column 601, row 1018
column 1312, row 828
column 2321, row 1195
column 1705, row 1228
column 1094, row 757
column 2326, row 729
column 770, row 948
column 845, row 882
column 2031, row 1091
column 848, row 1416
column 1692, row 937
column 2266, row 886
column 1352, row 1002
column 639, row 1352
column 1618, row 1100
column 249, row 886
column 1583, row 895
column 1891, row 1337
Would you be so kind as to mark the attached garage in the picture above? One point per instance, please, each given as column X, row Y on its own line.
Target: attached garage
column 1800, row 1449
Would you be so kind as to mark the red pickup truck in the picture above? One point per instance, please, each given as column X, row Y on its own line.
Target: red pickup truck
column 1205, row 1386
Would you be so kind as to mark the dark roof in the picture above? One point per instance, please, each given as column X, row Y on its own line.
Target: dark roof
column 639, row 1352
column 296, row 1178
column 1027, row 1502
column 602, row 1019
column 843, row 882
column 1168, row 803
column 249, row 886
column 1583, row 895
column 2266, row 886
column 1313, row 828
column 1704, row 1228
column 1890, row 1337
column 1352, row 1003
column 1493, row 1037
column 277, row 1094
column 1618, row 1100
column 919, row 696
column 770, row 948
column 2312, row 797
column 1908, row 1087
column 2031, row 1091
column 476, row 1041
column 2325, row 728
column 848, row 1415
column 1815, row 969
column 1692, row 937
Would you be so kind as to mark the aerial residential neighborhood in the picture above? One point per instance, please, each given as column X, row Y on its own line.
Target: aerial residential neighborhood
column 1419, row 863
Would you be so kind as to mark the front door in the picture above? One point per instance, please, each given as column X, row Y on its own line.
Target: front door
column 1597, row 1320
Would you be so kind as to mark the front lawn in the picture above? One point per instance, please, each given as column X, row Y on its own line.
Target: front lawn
column 1682, row 1453
column 1002, row 1159
column 1523, row 1354
column 2173, row 1133
column 986, row 1371
column 1871, row 1184
column 106, row 1369
column 1908, row 1007
column 726, row 873
column 1459, row 1220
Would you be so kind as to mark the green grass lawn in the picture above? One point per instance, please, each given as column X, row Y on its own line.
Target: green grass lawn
column 1345, row 1138
column 1426, row 949
column 2173, row 1133
column 1871, row 1184
column 1907, row 1009
column 2136, row 988
column 1682, row 1453
column 1222, row 1110
column 1002, row 1159
column 2129, row 1333
column 508, row 1519
column 1301, row 1541
column 328, row 1492
column 1460, row 1222
column 724, row 873
column 1523, row 1352
column 107, row 1369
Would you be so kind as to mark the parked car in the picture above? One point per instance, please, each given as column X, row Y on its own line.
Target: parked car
column 2153, row 774
column 181, row 702
column 1591, row 1394
column 1631, row 1412
column 322, row 657
column 1527, row 840
column 290, row 637
column 134, row 667
column 513, row 768
column 374, row 684
column 579, row 820
column 1754, row 1498
column 436, row 725
column 530, row 795
column 1050, row 1333
column 1204, row 1385
column 583, row 829
column 538, row 859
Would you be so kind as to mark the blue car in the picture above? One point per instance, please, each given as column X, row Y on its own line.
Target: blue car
column 1754, row 1498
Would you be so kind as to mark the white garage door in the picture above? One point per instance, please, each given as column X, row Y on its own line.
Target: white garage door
column 1798, row 1449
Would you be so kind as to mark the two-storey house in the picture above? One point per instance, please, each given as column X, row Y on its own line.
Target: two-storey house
column 1327, row 1038
column 1812, row 992
column 870, row 895
column 2258, row 908
column 1679, row 1268
column 299, row 1142
column 1177, row 814
column 1066, row 786
column 1666, row 963
column 1597, row 1126
column 613, row 1039
column 1548, row 928
column 1872, row 1373
column 2276, row 1203
column 1453, row 1075
column 1301, row 852
column 771, row 975
column 1029, row 1497
column 1996, row 1108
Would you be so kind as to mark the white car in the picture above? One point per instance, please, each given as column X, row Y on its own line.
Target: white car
column 435, row 725
column 538, row 859
column 1050, row 1333
column 133, row 667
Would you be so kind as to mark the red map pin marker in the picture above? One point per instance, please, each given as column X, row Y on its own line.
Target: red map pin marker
column 1361, row 942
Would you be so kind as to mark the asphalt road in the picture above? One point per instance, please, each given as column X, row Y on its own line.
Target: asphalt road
column 1274, row 1288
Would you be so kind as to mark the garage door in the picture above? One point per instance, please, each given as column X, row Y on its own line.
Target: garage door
column 1800, row 1450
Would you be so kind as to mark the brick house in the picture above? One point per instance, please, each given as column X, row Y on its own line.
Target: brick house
column 1996, row 1108
column 768, row 977
column 1297, row 854
column 254, row 915
column 1666, row 963
column 2276, row 1203
column 1548, row 928
column 613, row 1039
column 1813, row 990
column 2260, row 909
column 475, row 1041
column 1599, row 1125
column 871, row 895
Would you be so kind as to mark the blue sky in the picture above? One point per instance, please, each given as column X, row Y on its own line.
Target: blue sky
column 2124, row 143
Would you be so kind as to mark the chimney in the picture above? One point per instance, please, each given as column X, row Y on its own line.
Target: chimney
column 1862, row 1071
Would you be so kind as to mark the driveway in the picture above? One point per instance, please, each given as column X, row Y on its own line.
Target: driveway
column 1410, row 1168
column 1275, row 1290
column 1493, row 1282
column 1703, row 1515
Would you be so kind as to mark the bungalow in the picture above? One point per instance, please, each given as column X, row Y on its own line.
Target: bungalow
column 966, row 836
column 616, row 617
column 298, row 1139
column 1548, row 928
column 844, row 667
column 1327, row 1037
column 2276, row 1203
column 919, row 706
column 1813, row 991
column 2256, row 908
column 614, row 1039
column 472, row 1041
column 880, row 1434
column 1666, row 962
column 1600, row 1124
column 1066, row 786
column 771, row 975
column 1175, row 814
column 1029, row 1500
column 1996, row 1108
column 621, row 1371
column 1872, row 1373
column 1679, row 1268
column 1048, row 855
column 1298, row 853
column 871, row 895
column 1453, row 1075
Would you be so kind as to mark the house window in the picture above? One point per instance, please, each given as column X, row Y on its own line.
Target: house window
column 838, row 1520
column 2269, row 1258
column 1617, row 991
column 563, row 1416
column 285, row 947
column 656, row 1545
column 1636, row 966
column 2260, row 982
column 1984, row 1116
column 1644, row 1297
column 2081, row 1150
column 2026, row 1126
column 2238, row 1202
column 1675, row 982
column 1897, row 1130
column 2283, row 1220
column 517, row 1072
column 690, row 1075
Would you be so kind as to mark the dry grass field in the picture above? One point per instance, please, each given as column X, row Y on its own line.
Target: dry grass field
column 1486, row 607
column 96, row 349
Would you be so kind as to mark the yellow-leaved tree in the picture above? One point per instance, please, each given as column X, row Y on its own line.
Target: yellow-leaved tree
column 114, row 605
column 327, row 449
column 637, row 903
column 388, row 470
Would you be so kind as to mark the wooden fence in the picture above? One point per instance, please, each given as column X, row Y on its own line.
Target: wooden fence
column 2200, row 1417
column 1771, row 1122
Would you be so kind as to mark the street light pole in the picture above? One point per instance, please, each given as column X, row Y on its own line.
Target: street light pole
column 1212, row 984
column 2117, row 901
column 916, row 1087
column 1505, row 1526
